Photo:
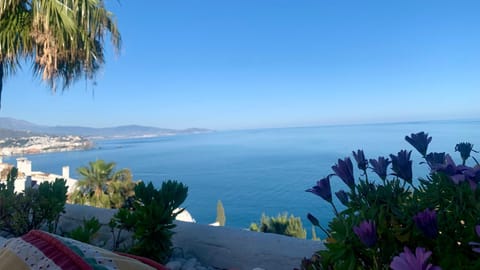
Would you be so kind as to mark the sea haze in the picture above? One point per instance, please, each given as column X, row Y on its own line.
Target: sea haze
column 258, row 171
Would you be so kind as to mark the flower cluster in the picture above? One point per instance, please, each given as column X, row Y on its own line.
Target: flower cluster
column 383, row 222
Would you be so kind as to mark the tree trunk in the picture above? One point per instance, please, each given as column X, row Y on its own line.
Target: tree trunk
column 1, row 82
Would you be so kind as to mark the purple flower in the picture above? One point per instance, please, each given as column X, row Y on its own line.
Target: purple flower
column 420, row 141
column 475, row 245
column 360, row 159
column 344, row 170
column 435, row 159
column 342, row 197
column 402, row 165
column 465, row 149
column 380, row 166
column 426, row 221
column 409, row 261
column 458, row 173
column 322, row 189
column 367, row 232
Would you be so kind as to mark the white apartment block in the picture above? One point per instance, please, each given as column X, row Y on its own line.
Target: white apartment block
column 28, row 178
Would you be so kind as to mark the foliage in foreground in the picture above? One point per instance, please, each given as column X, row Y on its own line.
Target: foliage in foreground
column 33, row 208
column 397, row 223
column 150, row 217
column 282, row 224
column 62, row 43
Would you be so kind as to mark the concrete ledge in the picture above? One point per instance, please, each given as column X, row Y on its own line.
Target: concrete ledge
column 232, row 248
column 221, row 247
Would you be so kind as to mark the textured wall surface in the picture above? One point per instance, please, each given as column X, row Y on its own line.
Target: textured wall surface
column 221, row 247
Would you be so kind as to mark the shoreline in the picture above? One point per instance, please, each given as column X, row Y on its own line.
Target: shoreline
column 11, row 147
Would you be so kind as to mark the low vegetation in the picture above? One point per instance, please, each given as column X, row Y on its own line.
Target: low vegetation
column 31, row 209
column 150, row 218
column 147, row 212
column 221, row 219
column 395, row 222
column 87, row 232
column 282, row 224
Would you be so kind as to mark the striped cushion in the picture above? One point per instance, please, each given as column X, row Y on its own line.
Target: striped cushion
column 41, row 250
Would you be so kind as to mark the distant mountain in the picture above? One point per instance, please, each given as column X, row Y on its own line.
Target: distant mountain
column 15, row 124
column 9, row 133
column 110, row 132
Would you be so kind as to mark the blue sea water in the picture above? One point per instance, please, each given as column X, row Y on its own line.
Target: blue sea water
column 258, row 171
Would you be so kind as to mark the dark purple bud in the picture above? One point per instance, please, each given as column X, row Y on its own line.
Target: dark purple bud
column 366, row 232
column 465, row 150
column 402, row 165
column 408, row 260
column 342, row 197
column 426, row 221
column 435, row 159
column 380, row 166
column 344, row 170
column 420, row 141
column 477, row 230
column 360, row 159
column 322, row 189
column 313, row 220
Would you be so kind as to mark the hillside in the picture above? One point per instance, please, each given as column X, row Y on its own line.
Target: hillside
column 9, row 133
column 18, row 126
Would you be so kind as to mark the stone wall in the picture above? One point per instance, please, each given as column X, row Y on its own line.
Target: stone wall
column 221, row 247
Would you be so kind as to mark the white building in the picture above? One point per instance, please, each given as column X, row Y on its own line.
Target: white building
column 29, row 178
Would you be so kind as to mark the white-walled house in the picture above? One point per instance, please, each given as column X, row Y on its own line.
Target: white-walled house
column 28, row 178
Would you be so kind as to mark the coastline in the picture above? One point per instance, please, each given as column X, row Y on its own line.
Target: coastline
column 43, row 144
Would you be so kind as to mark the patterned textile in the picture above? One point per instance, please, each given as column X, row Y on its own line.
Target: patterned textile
column 41, row 250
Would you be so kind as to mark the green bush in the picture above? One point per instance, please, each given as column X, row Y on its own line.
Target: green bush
column 32, row 208
column 150, row 217
column 282, row 224
column 87, row 232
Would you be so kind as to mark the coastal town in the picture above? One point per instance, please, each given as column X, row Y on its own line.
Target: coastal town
column 42, row 144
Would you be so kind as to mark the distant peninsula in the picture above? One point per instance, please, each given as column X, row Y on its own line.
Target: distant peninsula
column 21, row 137
column 36, row 144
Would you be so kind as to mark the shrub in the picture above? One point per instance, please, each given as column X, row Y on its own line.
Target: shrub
column 87, row 232
column 32, row 208
column 400, row 223
column 150, row 217
column 282, row 224
column 221, row 219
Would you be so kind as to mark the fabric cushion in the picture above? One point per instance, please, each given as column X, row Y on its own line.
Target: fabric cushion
column 41, row 250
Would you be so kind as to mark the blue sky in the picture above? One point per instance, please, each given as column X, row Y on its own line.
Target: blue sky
column 272, row 63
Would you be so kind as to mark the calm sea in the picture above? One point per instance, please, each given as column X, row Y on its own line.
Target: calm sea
column 257, row 171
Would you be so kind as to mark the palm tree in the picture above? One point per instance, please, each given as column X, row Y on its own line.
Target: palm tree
column 101, row 186
column 62, row 38
column 120, row 188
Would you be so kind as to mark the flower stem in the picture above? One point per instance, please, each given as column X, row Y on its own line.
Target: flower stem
column 476, row 161
column 335, row 209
